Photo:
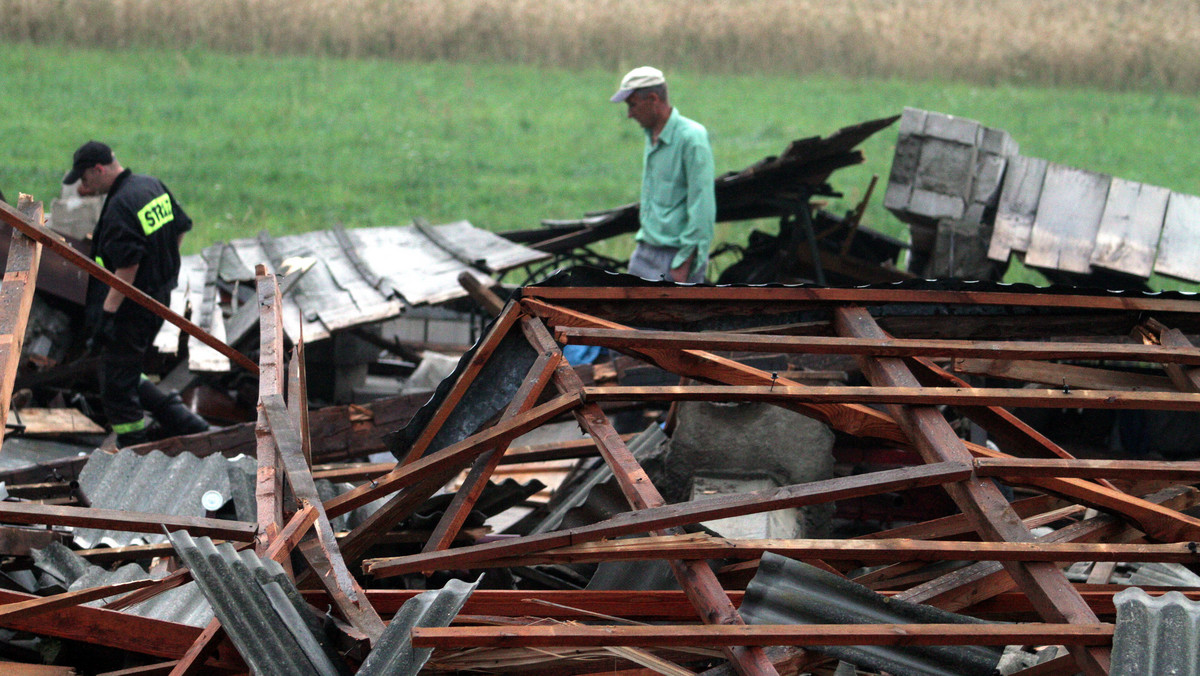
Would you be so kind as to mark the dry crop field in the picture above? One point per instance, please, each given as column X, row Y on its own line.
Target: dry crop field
column 1111, row 44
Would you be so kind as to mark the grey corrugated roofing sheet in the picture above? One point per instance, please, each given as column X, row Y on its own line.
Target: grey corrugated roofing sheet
column 183, row 605
column 151, row 483
column 259, row 608
column 276, row 633
column 785, row 591
column 394, row 653
column 402, row 266
column 1156, row 635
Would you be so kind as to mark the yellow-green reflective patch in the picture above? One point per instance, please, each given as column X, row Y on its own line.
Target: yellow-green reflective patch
column 99, row 261
column 156, row 214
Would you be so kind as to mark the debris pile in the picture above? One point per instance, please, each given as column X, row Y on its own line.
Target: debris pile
column 924, row 477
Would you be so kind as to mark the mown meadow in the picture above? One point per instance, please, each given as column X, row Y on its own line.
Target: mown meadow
column 255, row 128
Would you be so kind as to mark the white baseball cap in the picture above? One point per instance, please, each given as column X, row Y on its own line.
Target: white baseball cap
column 642, row 76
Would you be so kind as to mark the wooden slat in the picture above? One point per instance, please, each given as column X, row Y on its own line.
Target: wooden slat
column 574, row 635
column 747, row 299
column 875, row 551
column 884, row 347
column 1127, row 240
column 1070, row 375
column 981, row 501
column 1187, row 472
column 322, row 550
column 132, row 522
column 16, row 297
column 1179, row 248
column 1068, row 217
column 1018, row 206
column 917, row 396
column 268, row 489
column 696, row 511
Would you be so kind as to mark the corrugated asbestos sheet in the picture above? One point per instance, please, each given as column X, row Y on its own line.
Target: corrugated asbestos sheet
column 276, row 633
column 359, row 275
column 1156, row 634
column 394, row 654
column 153, row 483
column 259, row 608
column 183, row 605
column 785, row 591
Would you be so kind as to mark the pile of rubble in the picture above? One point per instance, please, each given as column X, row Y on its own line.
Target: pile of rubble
column 621, row 476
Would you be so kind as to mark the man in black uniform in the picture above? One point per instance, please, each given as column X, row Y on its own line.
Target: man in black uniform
column 137, row 238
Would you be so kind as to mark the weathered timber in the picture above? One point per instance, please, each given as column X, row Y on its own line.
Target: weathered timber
column 912, row 395
column 133, row 522
column 1068, row 375
column 882, row 347
column 268, row 488
column 16, row 297
column 865, row 551
column 1090, row 634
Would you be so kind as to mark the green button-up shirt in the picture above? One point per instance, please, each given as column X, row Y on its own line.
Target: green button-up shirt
column 678, row 205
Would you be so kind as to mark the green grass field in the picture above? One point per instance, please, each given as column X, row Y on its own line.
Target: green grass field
column 291, row 144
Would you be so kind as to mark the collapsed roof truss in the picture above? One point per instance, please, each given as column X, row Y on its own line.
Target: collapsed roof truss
column 901, row 338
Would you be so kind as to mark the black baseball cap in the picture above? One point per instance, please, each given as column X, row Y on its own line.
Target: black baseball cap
column 89, row 155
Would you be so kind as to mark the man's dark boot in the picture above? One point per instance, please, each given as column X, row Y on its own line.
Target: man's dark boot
column 168, row 409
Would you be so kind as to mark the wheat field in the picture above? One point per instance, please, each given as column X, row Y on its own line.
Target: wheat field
column 1110, row 44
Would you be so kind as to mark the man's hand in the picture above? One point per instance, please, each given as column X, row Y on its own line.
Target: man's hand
column 680, row 274
column 104, row 331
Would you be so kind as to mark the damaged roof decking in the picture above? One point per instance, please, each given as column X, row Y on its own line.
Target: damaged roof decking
column 359, row 275
column 461, row 425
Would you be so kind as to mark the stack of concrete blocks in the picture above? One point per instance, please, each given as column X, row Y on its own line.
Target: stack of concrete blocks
column 74, row 215
column 945, row 184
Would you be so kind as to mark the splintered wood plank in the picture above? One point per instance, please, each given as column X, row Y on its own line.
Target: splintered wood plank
column 1065, row 375
column 1018, row 206
column 268, row 491
column 16, row 297
column 1068, row 217
column 1129, row 229
column 321, row 549
column 51, row 421
column 981, row 501
column 1179, row 248
column 575, row 635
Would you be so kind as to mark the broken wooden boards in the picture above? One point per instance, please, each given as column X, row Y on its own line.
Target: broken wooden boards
column 949, row 171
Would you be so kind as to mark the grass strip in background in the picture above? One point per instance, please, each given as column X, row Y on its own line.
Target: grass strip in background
column 298, row 143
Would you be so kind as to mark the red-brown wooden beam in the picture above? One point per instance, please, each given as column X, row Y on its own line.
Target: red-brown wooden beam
column 915, row 395
column 775, row 295
column 979, row 499
column 16, row 298
column 884, row 347
column 667, row 636
column 55, row 243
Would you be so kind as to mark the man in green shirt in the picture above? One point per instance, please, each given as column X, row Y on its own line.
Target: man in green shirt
column 678, row 204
